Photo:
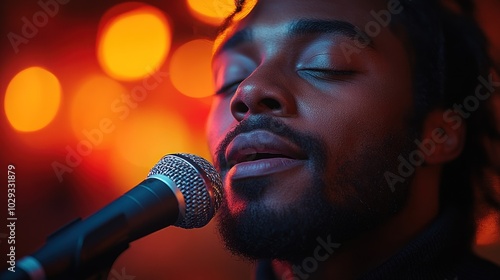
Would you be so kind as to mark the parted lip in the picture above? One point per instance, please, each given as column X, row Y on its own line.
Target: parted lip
column 260, row 144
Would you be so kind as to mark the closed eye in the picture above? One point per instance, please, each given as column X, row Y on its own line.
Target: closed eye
column 328, row 74
column 228, row 88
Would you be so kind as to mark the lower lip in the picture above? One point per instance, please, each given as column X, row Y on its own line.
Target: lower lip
column 262, row 167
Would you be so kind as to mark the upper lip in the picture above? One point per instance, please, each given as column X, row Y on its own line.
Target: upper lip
column 260, row 144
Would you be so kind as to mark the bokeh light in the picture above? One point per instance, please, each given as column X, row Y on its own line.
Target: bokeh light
column 488, row 231
column 72, row 110
column 211, row 12
column 32, row 99
column 214, row 12
column 95, row 108
column 190, row 69
column 146, row 137
column 135, row 43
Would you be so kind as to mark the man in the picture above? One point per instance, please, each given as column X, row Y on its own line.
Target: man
column 338, row 131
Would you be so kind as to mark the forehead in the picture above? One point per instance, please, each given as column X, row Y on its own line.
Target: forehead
column 273, row 17
column 267, row 11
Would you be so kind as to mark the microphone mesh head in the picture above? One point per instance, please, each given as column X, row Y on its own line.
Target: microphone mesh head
column 199, row 183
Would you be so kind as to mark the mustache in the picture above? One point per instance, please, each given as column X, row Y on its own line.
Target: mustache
column 306, row 142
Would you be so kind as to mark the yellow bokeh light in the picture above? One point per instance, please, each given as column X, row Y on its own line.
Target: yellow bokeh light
column 94, row 109
column 146, row 137
column 214, row 12
column 32, row 99
column 190, row 69
column 211, row 12
column 134, row 44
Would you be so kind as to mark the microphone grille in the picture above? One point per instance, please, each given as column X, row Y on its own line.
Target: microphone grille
column 199, row 183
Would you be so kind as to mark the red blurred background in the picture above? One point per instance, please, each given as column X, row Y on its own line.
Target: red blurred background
column 94, row 93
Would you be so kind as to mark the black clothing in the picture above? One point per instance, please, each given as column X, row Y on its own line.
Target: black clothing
column 441, row 252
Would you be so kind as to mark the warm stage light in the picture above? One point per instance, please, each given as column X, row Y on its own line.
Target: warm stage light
column 95, row 109
column 32, row 99
column 190, row 69
column 134, row 43
column 214, row 12
column 488, row 230
column 146, row 136
column 211, row 12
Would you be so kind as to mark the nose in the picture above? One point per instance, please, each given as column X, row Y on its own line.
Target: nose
column 263, row 93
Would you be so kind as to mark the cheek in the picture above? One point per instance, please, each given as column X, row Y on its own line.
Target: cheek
column 219, row 122
column 361, row 117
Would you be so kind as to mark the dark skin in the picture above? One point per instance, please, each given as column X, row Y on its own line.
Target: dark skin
column 353, row 105
column 492, row 142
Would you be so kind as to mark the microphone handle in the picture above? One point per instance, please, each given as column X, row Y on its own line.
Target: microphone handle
column 86, row 247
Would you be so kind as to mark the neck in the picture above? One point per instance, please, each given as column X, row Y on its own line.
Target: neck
column 369, row 250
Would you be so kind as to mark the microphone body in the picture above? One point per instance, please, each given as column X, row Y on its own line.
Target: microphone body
column 169, row 196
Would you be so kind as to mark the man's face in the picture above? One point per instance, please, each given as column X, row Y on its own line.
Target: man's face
column 308, row 117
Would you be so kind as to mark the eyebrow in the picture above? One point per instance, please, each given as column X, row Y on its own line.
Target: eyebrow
column 303, row 27
column 238, row 38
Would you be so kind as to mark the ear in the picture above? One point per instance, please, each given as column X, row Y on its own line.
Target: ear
column 491, row 141
column 443, row 136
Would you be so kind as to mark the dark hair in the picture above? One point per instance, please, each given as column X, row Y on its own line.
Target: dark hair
column 449, row 55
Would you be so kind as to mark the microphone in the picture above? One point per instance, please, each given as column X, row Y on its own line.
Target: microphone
column 183, row 190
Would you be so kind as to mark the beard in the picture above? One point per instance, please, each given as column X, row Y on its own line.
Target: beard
column 337, row 205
